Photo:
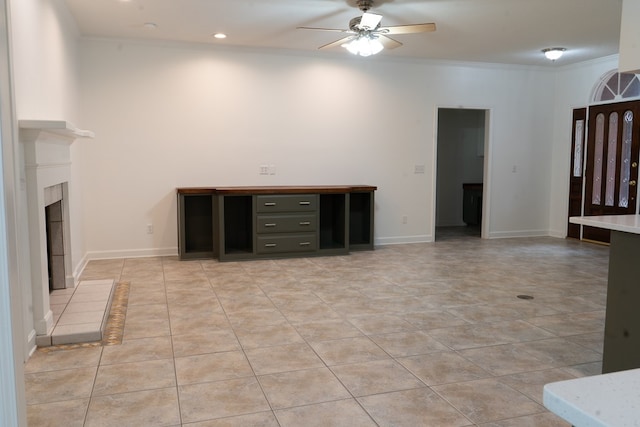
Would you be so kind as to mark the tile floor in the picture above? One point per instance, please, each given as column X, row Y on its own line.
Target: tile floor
column 407, row 335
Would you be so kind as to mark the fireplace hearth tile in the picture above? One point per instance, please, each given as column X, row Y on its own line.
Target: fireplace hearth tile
column 78, row 333
column 81, row 316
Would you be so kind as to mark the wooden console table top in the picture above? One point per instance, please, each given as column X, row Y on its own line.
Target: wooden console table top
column 284, row 189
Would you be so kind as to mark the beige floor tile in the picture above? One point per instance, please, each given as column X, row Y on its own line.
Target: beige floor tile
column 143, row 297
column 270, row 360
column 418, row 407
column 140, row 408
column 212, row 341
column 593, row 341
column 491, row 312
column 407, row 301
column 487, row 334
column 506, row 359
column 134, row 376
column 68, row 413
column 212, row 367
column 426, row 320
column 341, row 413
column 198, row 324
column 487, row 400
column 571, row 323
column 259, row 317
column 310, row 312
column 145, row 312
column 137, row 350
column 384, row 324
column 443, row 368
column 402, row 344
column 560, row 352
column 54, row 386
column 538, row 420
column 232, row 397
column 349, row 350
column 380, row 376
column 261, row 419
column 54, row 360
column 146, row 328
column 585, row 369
column 268, row 335
column 297, row 388
column 324, row 330
column 532, row 383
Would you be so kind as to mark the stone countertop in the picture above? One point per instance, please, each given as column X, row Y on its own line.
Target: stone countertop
column 625, row 223
column 608, row 400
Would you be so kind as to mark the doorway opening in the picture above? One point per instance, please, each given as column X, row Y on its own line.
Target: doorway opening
column 460, row 167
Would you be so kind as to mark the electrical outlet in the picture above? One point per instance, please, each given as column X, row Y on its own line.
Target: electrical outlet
column 272, row 169
column 264, row 169
column 418, row 169
column 149, row 228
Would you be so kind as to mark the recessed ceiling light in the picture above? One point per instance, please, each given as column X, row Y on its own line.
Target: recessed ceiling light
column 553, row 53
column 150, row 25
column 220, row 35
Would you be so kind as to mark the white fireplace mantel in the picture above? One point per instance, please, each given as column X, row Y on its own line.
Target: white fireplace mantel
column 56, row 127
column 47, row 163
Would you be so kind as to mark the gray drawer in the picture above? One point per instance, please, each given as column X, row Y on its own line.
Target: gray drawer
column 287, row 203
column 286, row 223
column 272, row 244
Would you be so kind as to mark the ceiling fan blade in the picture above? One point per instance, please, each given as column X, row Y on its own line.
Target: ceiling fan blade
column 388, row 42
column 370, row 21
column 336, row 43
column 408, row 29
column 333, row 30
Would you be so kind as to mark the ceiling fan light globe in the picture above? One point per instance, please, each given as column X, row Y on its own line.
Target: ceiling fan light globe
column 364, row 46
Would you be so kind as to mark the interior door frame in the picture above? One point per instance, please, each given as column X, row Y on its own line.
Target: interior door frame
column 486, row 168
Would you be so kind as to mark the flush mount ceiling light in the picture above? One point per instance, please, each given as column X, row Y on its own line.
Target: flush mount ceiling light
column 220, row 35
column 364, row 45
column 553, row 53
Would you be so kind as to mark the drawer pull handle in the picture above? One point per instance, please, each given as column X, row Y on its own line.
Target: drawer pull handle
column 305, row 203
column 270, row 203
column 269, row 245
column 305, row 223
column 305, row 243
column 270, row 225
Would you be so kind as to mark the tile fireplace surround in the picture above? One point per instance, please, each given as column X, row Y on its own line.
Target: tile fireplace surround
column 47, row 165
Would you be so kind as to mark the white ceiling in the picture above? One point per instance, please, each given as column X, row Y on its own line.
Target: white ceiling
column 501, row 31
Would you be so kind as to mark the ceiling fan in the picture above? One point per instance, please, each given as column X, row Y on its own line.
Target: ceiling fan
column 366, row 36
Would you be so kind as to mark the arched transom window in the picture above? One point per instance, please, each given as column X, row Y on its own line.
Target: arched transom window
column 614, row 86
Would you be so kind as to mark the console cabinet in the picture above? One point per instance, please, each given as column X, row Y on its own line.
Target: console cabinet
column 235, row 223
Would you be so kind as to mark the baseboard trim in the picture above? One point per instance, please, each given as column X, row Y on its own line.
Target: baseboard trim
column 130, row 253
column 400, row 240
column 524, row 233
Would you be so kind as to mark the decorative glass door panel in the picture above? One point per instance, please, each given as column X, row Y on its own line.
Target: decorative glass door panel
column 611, row 163
column 577, row 167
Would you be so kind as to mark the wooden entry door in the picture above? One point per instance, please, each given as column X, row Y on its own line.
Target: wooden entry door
column 577, row 166
column 611, row 173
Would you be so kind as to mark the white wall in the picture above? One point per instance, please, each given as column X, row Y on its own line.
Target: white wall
column 168, row 116
column 573, row 89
